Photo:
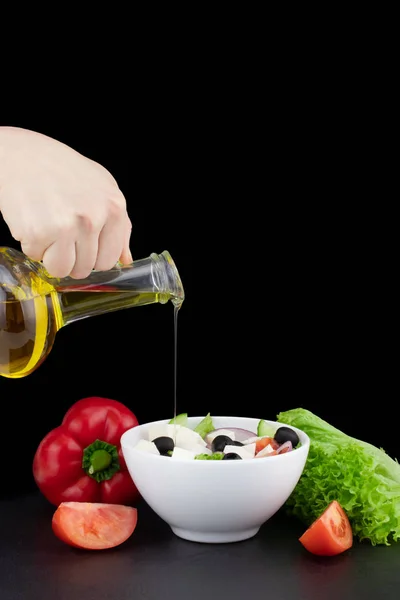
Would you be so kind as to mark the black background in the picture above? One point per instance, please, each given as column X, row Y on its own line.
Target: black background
column 287, row 299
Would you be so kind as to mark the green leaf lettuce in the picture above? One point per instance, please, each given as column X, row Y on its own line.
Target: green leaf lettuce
column 360, row 476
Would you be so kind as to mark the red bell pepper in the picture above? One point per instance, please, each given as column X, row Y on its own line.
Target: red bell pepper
column 81, row 460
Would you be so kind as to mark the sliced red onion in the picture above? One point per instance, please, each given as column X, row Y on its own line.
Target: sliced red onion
column 283, row 446
column 241, row 434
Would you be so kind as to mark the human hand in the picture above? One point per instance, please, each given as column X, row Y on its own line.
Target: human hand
column 65, row 209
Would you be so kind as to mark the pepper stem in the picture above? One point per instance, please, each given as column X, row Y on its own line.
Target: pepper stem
column 100, row 461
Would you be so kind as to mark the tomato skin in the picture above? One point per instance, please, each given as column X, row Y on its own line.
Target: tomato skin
column 57, row 464
column 93, row 526
column 330, row 534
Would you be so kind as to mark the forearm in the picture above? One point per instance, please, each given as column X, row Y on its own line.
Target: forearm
column 12, row 143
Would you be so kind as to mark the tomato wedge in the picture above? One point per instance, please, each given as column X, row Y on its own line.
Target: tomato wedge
column 330, row 534
column 264, row 442
column 94, row 526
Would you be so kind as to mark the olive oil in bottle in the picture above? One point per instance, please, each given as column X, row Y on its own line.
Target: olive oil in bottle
column 34, row 306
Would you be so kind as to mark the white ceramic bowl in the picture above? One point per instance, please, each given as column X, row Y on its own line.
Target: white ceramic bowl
column 214, row 501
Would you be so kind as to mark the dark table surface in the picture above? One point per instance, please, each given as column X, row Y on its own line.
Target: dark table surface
column 155, row 565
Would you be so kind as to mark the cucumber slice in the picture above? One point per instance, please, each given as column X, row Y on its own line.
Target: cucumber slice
column 205, row 426
column 181, row 419
column 265, row 429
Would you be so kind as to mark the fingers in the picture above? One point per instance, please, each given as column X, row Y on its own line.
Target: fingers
column 126, row 256
column 35, row 237
column 77, row 257
column 110, row 246
column 34, row 249
column 59, row 258
column 86, row 248
column 112, row 239
column 69, row 240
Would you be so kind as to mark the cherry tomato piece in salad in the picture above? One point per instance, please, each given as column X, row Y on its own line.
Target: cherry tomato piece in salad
column 330, row 534
column 264, row 442
column 94, row 526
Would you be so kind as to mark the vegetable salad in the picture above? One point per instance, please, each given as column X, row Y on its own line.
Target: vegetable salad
column 205, row 442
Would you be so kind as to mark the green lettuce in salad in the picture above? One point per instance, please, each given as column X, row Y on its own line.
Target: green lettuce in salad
column 214, row 456
column 360, row 476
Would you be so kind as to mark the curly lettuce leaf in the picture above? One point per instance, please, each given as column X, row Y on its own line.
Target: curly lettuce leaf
column 215, row 456
column 360, row 476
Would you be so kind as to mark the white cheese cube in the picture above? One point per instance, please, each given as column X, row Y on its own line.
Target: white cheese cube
column 251, row 448
column 198, row 449
column 211, row 436
column 147, row 446
column 187, row 438
column 162, row 430
column 251, row 440
column 243, row 451
column 182, row 454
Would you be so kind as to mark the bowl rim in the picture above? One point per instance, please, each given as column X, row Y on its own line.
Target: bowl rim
column 304, row 438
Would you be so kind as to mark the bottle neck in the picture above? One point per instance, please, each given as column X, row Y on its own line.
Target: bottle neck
column 145, row 281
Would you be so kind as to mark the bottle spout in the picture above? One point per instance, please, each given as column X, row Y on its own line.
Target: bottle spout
column 170, row 283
